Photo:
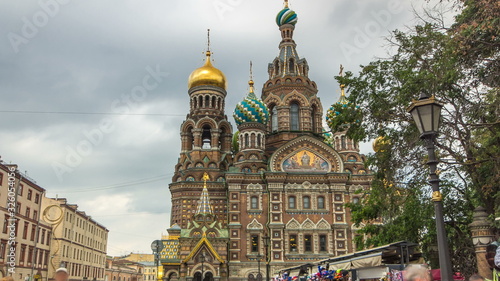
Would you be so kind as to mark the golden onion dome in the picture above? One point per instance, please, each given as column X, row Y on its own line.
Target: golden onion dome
column 380, row 144
column 207, row 75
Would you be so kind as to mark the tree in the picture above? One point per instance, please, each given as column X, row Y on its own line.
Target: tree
column 457, row 65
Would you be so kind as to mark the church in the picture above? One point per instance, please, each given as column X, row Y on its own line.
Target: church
column 269, row 194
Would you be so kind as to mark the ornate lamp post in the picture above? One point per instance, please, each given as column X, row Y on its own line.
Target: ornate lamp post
column 427, row 112
column 267, row 241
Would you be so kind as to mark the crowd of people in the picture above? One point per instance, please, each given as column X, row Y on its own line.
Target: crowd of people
column 411, row 273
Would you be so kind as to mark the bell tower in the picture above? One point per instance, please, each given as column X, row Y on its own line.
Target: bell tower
column 289, row 94
column 206, row 144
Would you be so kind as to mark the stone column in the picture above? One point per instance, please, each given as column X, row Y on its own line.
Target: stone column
column 482, row 235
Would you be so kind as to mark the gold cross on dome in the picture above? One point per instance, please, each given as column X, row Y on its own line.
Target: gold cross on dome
column 206, row 177
column 341, row 73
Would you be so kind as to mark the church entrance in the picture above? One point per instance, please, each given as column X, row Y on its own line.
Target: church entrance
column 208, row 276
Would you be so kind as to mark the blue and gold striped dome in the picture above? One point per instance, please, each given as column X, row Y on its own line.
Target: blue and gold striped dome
column 251, row 109
column 286, row 16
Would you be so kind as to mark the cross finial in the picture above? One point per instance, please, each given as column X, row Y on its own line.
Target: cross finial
column 341, row 73
column 208, row 39
column 286, row 3
column 206, row 177
column 342, row 86
column 251, row 71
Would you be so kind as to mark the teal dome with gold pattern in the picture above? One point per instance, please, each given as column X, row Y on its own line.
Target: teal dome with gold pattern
column 251, row 109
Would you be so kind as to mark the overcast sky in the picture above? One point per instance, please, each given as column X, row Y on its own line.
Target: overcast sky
column 131, row 60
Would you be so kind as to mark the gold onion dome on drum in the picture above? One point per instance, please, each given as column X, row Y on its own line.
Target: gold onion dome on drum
column 207, row 75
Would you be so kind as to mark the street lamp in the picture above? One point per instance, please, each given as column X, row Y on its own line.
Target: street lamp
column 427, row 112
column 259, row 276
column 267, row 241
column 202, row 262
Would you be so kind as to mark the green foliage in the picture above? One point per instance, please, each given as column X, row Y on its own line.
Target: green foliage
column 441, row 62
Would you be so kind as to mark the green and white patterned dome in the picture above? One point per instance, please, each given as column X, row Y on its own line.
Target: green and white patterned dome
column 286, row 16
column 251, row 109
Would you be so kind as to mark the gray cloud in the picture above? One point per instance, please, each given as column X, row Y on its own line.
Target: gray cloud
column 90, row 53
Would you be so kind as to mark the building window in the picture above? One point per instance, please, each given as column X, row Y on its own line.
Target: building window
column 343, row 142
column 294, row 117
column 206, row 138
column 30, row 193
column 291, row 202
column 306, row 200
column 322, row 243
column 25, row 230
column 254, row 202
column 27, row 214
column 20, row 190
column 255, row 243
column 293, row 243
column 274, row 119
column 321, row 202
column 33, row 232
column 355, row 200
column 291, row 66
column 307, row 243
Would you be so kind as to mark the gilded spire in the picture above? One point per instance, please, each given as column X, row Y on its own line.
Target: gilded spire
column 342, row 99
column 286, row 3
column 250, row 82
column 204, row 206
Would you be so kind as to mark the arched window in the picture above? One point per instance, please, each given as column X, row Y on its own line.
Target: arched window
column 306, row 200
column 343, row 142
column 274, row 119
column 321, row 202
column 206, row 137
column 246, row 141
column 254, row 202
column 276, row 67
column 291, row 202
column 252, row 140
column 207, row 101
column 294, row 117
column 213, row 102
column 258, row 141
column 291, row 66
column 200, row 102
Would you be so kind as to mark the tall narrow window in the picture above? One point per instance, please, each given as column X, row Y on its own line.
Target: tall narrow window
column 343, row 142
column 322, row 243
column 254, row 202
column 307, row 243
column 291, row 66
column 206, row 138
column 255, row 243
column 306, row 200
column 291, row 202
column 294, row 117
column 258, row 141
column 293, row 243
column 276, row 67
column 274, row 119
column 246, row 141
column 321, row 202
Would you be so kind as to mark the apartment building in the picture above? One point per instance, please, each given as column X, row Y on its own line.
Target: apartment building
column 25, row 239
column 78, row 242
